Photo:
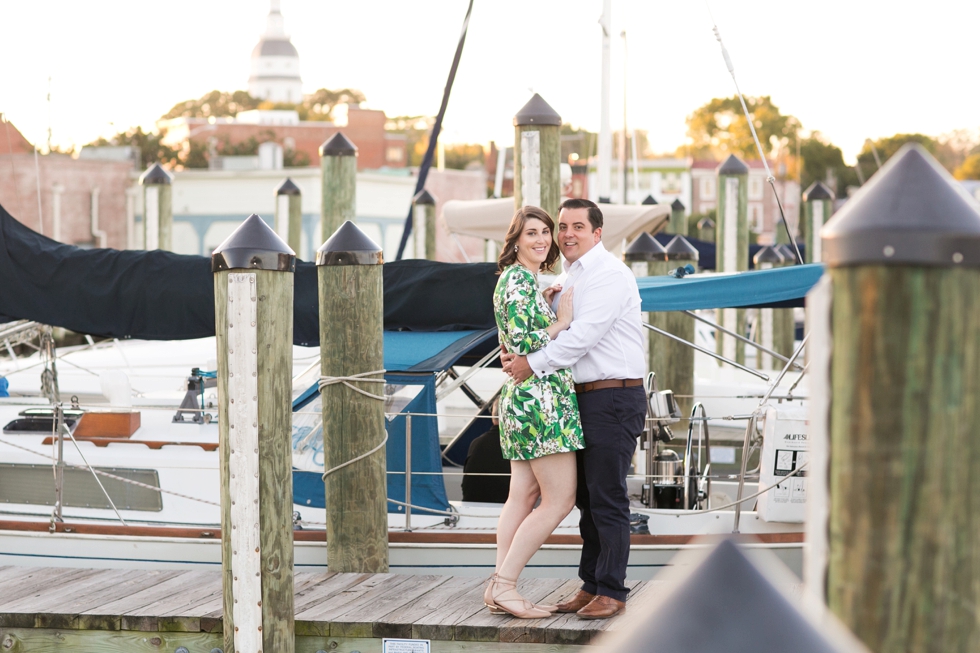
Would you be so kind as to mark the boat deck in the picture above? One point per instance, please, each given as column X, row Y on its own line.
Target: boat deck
column 127, row 609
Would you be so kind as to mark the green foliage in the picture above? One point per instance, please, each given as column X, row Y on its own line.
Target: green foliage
column 148, row 144
column 416, row 130
column 295, row 159
column 214, row 104
column 823, row 161
column 970, row 168
column 719, row 128
column 318, row 105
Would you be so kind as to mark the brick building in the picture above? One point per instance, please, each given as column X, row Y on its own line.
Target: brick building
column 82, row 202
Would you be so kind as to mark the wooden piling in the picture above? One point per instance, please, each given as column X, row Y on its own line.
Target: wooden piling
column 678, row 218
column 818, row 206
column 352, row 343
column 732, row 247
column 706, row 230
column 424, row 225
column 765, row 331
column 647, row 257
column 784, row 319
column 537, row 156
column 289, row 214
column 338, row 169
column 253, row 290
column 678, row 358
column 903, row 570
column 158, row 214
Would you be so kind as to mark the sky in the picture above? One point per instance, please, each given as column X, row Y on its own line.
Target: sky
column 850, row 69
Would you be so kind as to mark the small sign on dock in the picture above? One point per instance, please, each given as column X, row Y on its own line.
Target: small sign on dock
column 405, row 645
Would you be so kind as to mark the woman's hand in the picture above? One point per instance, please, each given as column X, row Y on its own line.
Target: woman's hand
column 566, row 310
column 549, row 292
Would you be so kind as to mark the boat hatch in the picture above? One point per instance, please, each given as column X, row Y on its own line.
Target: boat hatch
column 31, row 484
column 39, row 420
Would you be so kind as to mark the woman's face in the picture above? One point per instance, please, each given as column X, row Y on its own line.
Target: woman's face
column 534, row 243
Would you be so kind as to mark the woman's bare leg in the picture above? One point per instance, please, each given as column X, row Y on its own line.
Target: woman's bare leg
column 556, row 476
column 520, row 501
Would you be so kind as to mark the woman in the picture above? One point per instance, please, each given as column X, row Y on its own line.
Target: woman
column 540, row 429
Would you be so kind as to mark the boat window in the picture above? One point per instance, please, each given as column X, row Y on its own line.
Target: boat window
column 33, row 484
column 35, row 425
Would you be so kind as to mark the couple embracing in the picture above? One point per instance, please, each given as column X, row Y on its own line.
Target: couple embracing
column 572, row 408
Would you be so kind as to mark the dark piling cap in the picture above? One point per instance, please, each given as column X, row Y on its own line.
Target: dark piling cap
column 817, row 191
column 423, row 198
column 768, row 254
column 645, row 248
column 787, row 251
column 911, row 212
column 338, row 145
column 730, row 588
column 649, row 199
column 681, row 249
column 677, row 205
column 733, row 166
column 288, row 188
column 537, row 112
column 155, row 175
column 349, row 246
column 706, row 223
column 253, row 246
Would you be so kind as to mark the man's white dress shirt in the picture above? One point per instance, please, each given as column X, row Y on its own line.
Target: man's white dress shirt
column 604, row 340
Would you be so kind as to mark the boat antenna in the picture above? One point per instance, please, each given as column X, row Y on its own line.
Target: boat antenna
column 434, row 136
column 755, row 137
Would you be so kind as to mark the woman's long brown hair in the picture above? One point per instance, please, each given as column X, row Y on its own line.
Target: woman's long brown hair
column 508, row 255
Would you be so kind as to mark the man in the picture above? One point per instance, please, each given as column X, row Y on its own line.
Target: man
column 484, row 457
column 604, row 349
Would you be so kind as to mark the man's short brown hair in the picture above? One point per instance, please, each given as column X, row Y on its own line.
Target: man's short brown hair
column 595, row 215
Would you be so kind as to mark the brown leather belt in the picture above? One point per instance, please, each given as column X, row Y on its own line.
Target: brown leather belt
column 609, row 383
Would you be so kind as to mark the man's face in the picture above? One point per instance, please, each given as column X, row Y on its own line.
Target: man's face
column 575, row 234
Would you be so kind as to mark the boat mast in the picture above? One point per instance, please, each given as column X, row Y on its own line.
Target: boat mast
column 605, row 134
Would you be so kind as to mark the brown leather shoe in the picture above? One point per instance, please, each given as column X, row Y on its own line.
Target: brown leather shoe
column 601, row 607
column 578, row 601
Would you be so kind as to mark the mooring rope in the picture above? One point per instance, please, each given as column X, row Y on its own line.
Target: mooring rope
column 346, row 380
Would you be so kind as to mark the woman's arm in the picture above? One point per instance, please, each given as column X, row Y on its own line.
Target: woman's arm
column 520, row 312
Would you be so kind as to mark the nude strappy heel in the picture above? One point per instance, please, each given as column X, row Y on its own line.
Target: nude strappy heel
column 501, row 596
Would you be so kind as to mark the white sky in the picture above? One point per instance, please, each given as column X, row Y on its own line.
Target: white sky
column 851, row 69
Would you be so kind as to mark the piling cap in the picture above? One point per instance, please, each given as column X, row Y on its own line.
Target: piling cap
column 681, row 249
column 728, row 591
column 253, row 246
column 155, row 175
column 423, row 198
column 537, row 112
column 733, row 166
column 649, row 199
column 288, row 188
column 768, row 254
column 911, row 212
column 706, row 223
column 349, row 246
column 817, row 191
column 677, row 205
column 338, row 145
column 787, row 251
column 645, row 248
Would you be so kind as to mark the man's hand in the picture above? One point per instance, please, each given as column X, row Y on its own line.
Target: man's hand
column 516, row 367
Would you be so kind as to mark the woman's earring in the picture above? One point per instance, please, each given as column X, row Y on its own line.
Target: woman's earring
column 515, row 248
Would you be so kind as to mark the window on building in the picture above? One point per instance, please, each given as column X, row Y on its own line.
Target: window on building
column 671, row 184
column 289, row 143
column 707, row 188
column 755, row 216
column 755, row 188
column 394, row 155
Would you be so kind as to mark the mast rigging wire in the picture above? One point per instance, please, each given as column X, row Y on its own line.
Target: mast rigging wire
column 755, row 137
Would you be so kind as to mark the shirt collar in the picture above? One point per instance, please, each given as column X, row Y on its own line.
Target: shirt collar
column 588, row 259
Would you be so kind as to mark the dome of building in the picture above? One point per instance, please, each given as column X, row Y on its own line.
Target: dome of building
column 275, row 63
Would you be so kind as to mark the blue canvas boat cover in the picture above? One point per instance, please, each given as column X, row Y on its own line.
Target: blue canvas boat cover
column 775, row 288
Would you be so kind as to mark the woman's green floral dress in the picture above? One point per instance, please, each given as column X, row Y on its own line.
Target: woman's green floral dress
column 537, row 416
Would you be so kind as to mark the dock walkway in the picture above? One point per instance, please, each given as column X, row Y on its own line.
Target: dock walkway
column 110, row 610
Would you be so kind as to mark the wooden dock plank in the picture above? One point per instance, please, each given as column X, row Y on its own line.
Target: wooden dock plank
column 49, row 594
column 362, row 620
column 441, row 623
column 33, row 579
column 482, row 626
column 318, row 617
column 64, row 611
column 400, row 623
column 569, row 629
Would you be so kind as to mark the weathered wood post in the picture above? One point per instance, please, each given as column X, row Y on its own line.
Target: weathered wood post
column 289, row 214
column 732, row 247
column 818, row 206
column 537, row 157
column 784, row 319
column 678, row 218
column 903, row 259
column 338, row 168
column 647, row 257
column 352, row 356
column 706, row 230
column 765, row 333
column 679, row 358
column 158, row 216
column 424, row 225
column 253, row 307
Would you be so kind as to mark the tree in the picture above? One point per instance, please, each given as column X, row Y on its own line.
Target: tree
column 416, row 130
column 970, row 168
column 148, row 144
column 719, row 128
column 320, row 104
column 460, row 156
column 823, row 161
column 214, row 104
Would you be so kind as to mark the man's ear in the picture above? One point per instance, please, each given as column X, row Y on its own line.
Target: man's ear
column 597, row 235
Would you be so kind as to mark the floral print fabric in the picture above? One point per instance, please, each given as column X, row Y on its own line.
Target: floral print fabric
column 538, row 417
